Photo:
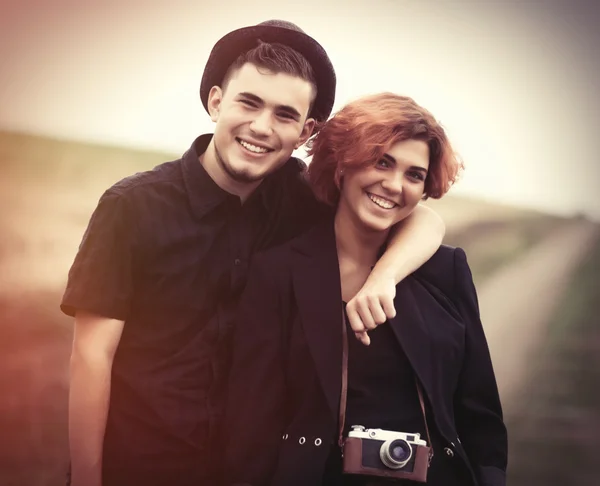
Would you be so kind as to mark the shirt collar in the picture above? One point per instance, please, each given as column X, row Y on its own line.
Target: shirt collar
column 205, row 195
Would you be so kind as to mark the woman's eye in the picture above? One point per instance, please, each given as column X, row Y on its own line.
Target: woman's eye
column 383, row 163
column 416, row 175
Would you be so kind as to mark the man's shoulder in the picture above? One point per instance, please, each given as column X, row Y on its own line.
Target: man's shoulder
column 292, row 171
column 148, row 182
column 295, row 165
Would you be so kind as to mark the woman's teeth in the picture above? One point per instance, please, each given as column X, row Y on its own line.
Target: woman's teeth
column 381, row 202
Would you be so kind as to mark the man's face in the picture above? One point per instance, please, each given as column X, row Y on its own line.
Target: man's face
column 260, row 119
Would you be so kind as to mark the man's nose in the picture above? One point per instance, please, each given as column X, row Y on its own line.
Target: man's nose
column 262, row 124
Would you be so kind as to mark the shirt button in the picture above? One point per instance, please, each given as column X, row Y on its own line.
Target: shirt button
column 449, row 452
column 237, row 262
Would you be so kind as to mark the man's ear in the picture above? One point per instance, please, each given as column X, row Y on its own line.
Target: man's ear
column 215, row 98
column 309, row 126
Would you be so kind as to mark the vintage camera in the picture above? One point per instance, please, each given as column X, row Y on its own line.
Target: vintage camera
column 377, row 452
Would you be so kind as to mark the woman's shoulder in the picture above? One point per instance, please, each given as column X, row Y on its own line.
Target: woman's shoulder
column 443, row 268
column 441, row 261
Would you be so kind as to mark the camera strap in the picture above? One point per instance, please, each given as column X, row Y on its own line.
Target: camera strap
column 344, row 394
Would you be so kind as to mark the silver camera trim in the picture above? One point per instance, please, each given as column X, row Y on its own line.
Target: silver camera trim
column 361, row 432
column 387, row 459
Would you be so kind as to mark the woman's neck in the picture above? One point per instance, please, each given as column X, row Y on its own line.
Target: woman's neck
column 358, row 250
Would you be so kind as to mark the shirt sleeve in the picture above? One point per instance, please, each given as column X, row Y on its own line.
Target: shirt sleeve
column 101, row 277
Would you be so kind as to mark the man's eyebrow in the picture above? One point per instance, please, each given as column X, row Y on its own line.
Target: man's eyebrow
column 290, row 110
column 252, row 97
column 391, row 159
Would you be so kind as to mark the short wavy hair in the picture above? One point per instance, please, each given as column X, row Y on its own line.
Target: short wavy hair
column 364, row 130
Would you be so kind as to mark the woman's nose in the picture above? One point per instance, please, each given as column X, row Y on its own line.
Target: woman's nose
column 393, row 183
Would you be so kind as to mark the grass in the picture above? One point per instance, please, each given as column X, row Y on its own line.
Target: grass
column 554, row 435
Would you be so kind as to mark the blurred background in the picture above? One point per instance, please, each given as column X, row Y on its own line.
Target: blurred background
column 93, row 91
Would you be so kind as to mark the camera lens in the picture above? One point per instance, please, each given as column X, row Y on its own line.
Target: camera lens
column 396, row 453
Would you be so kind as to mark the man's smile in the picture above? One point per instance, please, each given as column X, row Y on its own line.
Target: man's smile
column 252, row 147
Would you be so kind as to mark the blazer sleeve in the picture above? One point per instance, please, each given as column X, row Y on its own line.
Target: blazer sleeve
column 253, row 422
column 478, row 412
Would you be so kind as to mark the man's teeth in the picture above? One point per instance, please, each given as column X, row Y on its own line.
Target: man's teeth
column 253, row 148
column 381, row 202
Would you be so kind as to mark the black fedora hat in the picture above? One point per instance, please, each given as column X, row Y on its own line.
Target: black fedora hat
column 229, row 47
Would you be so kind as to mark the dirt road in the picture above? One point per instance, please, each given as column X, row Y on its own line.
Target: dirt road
column 517, row 302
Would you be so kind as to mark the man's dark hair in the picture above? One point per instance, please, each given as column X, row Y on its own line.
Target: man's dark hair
column 275, row 58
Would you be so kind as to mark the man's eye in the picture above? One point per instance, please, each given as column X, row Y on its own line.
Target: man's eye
column 286, row 116
column 248, row 103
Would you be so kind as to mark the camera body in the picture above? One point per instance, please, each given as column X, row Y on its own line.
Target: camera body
column 385, row 453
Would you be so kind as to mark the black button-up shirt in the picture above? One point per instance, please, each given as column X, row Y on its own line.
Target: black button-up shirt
column 167, row 251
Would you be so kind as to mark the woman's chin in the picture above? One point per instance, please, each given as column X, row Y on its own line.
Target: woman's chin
column 378, row 225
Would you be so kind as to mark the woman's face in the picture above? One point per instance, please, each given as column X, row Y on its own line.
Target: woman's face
column 378, row 196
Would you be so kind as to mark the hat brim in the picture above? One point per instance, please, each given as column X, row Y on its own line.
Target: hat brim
column 228, row 48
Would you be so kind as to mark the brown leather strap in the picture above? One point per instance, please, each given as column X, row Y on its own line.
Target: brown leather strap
column 422, row 402
column 344, row 394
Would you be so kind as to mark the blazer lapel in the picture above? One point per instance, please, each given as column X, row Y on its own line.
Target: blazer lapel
column 410, row 329
column 317, row 288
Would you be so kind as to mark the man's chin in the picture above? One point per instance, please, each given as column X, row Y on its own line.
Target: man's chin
column 248, row 174
column 245, row 176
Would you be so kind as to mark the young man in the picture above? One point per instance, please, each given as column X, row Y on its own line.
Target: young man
column 159, row 271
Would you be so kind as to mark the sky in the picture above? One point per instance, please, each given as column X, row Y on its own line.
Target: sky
column 513, row 82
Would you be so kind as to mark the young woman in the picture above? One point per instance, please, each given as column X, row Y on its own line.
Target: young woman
column 299, row 380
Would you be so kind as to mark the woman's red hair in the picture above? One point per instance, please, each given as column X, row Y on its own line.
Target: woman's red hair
column 364, row 130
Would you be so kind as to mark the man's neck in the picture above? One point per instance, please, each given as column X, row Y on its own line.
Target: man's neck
column 212, row 167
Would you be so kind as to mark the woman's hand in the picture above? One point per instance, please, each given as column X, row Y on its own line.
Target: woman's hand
column 372, row 305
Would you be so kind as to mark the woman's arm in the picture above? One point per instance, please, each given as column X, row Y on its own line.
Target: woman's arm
column 413, row 241
column 253, row 422
column 478, row 412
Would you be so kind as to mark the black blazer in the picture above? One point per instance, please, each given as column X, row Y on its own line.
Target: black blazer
column 285, row 382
